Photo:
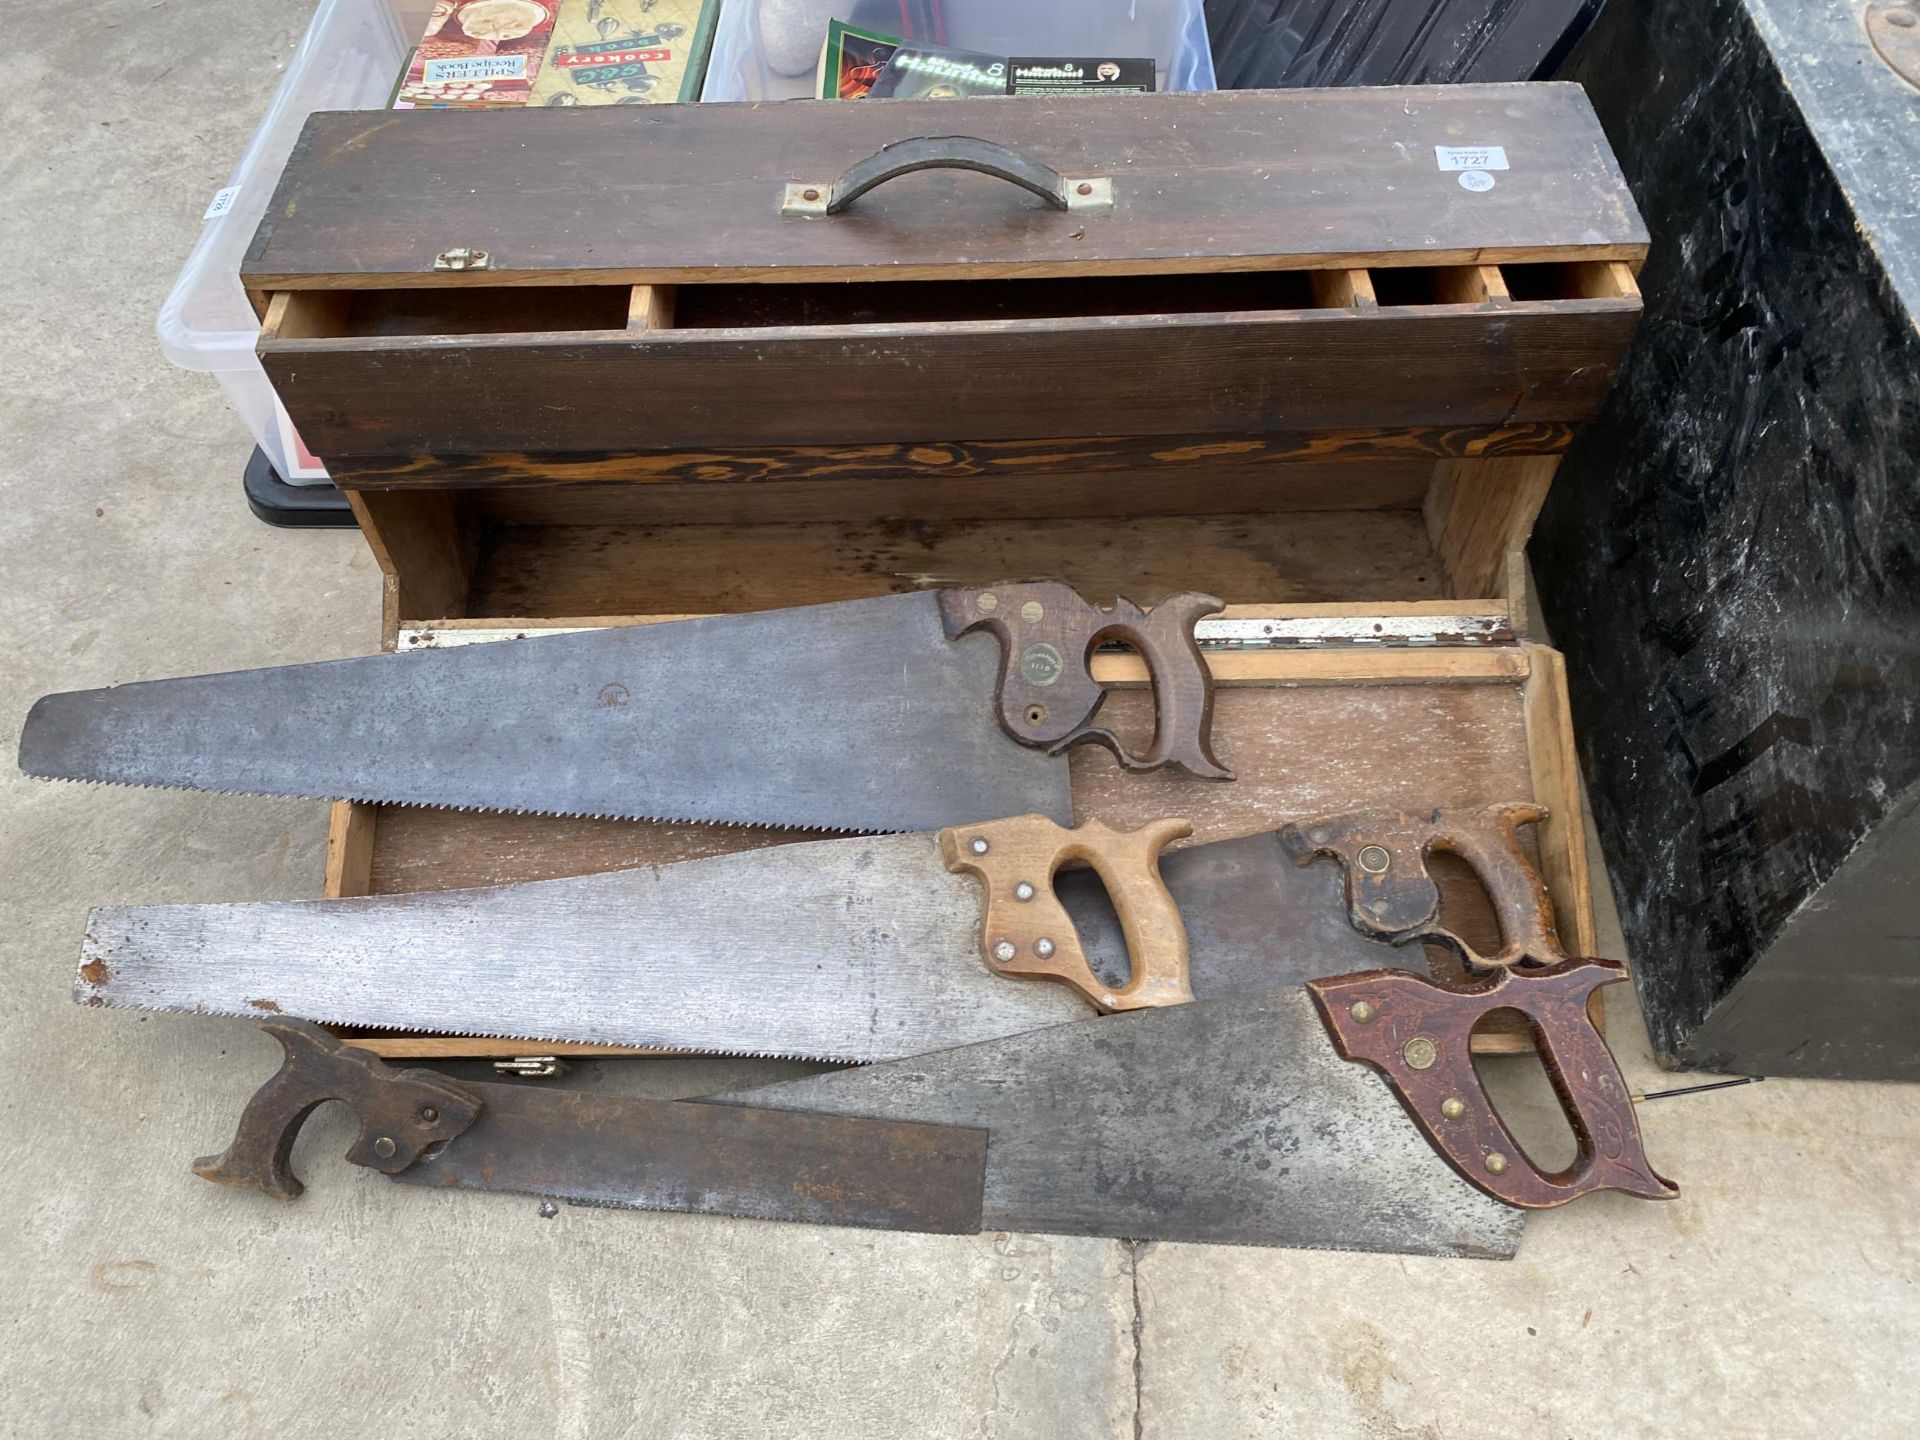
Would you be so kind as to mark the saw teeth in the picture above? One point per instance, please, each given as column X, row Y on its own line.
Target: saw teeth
column 86, row 993
column 769, row 824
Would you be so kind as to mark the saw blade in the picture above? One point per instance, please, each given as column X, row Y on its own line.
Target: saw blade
column 851, row 950
column 858, row 716
column 636, row 1154
column 1226, row 1121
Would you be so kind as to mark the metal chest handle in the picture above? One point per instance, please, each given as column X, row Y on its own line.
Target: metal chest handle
column 947, row 152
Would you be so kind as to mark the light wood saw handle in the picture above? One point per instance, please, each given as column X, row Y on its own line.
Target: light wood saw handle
column 1027, row 932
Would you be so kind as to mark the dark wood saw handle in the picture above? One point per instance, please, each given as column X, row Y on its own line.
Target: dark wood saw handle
column 402, row 1113
column 1026, row 931
column 1047, row 696
column 1418, row 1035
column 947, row 152
column 1392, row 896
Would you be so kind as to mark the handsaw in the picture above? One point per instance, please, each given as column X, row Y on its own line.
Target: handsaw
column 1415, row 1032
column 1236, row 1121
column 850, row 950
column 606, row 1149
column 905, row 712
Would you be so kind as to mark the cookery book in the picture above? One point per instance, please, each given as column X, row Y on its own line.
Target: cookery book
column 861, row 64
column 488, row 53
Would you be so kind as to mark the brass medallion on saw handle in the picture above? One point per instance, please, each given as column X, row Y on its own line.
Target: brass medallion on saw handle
column 1027, row 932
column 1392, row 896
column 1047, row 696
column 402, row 1113
column 1418, row 1035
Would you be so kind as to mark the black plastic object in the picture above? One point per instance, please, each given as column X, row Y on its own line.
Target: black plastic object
column 293, row 507
column 947, row 152
column 1730, row 556
column 1265, row 44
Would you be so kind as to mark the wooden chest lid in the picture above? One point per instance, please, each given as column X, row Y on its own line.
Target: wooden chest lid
column 1240, row 180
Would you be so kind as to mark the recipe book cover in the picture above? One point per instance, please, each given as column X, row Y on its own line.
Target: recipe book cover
column 476, row 55
column 627, row 52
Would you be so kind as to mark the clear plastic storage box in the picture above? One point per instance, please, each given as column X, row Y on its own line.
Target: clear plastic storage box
column 349, row 60
column 1172, row 32
column 352, row 55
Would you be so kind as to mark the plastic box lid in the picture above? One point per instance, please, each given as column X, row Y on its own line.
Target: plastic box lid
column 348, row 61
column 1172, row 32
column 352, row 54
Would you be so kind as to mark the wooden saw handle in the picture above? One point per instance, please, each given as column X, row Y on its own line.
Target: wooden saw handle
column 1047, row 696
column 1391, row 894
column 402, row 1112
column 1026, row 931
column 1418, row 1035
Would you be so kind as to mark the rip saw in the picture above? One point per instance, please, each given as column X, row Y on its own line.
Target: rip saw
column 905, row 712
column 850, row 950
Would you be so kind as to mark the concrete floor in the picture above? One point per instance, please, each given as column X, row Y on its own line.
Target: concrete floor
column 1776, row 1298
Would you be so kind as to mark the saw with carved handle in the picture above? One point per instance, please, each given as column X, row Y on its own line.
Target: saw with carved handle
column 1418, row 1034
column 905, row 712
column 850, row 950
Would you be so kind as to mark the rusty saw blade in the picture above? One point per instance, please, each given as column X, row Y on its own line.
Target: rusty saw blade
column 905, row 712
column 1230, row 1122
column 1227, row 1121
column 606, row 1150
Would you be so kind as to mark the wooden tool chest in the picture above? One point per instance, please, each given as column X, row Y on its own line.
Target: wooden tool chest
column 609, row 367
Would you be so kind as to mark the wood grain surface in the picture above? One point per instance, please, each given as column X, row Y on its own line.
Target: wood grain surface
column 1284, row 453
column 1235, row 180
column 1229, row 373
column 1202, row 489
column 556, row 570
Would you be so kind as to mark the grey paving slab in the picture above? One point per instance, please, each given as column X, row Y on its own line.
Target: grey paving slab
column 1778, row 1297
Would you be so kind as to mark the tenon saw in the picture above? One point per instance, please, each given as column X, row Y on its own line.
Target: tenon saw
column 606, row 1149
column 852, row 950
column 905, row 712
